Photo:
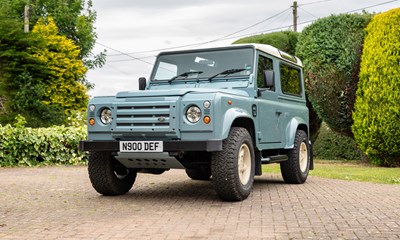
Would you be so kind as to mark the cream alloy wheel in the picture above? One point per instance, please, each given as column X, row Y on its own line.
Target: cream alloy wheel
column 244, row 164
column 303, row 157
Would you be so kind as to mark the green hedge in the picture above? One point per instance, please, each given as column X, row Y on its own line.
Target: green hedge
column 285, row 40
column 331, row 51
column 333, row 146
column 377, row 108
column 20, row 146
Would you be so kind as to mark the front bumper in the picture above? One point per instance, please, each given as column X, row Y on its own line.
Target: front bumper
column 169, row 146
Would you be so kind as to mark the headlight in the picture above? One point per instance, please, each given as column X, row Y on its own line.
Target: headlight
column 106, row 116
column 193, row 114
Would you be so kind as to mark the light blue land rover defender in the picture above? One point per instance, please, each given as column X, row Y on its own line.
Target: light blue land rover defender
column 218, row 113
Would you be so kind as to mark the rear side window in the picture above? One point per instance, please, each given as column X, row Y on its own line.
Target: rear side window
column 290, row 80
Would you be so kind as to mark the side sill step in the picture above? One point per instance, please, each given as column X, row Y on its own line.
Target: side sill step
column 274, row 159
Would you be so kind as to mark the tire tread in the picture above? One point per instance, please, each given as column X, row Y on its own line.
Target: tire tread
column 224, row 172
column 103, row 178
column 290, row 169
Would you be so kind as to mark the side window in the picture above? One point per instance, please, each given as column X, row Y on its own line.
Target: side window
column 263, row 64
column 290, row 80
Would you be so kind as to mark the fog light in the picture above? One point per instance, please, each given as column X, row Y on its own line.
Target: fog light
column 206, row 104
column 92, row 108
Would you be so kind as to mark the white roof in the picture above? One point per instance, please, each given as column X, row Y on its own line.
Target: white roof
column 270, row 50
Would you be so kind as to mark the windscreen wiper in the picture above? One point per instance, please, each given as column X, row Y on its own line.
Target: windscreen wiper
column 185, row 74
column 226, row 72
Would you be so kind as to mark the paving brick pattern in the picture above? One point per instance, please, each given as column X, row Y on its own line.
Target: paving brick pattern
column 59, row 203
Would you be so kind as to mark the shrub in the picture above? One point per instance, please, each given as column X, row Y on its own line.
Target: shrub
column 333, row 146
column 285, row 40
column 330, row 49
column 377, row 108
column 20, row 146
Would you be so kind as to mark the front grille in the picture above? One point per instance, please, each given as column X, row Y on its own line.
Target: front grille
column 153, row 117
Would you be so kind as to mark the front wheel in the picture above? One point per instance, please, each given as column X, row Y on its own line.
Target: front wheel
column 108, row 176
column 295, row 170
column 233, row 168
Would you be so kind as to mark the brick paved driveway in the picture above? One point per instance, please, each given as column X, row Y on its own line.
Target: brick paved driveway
column 59, row 203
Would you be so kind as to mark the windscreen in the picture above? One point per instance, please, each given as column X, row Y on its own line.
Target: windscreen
column 212, row 64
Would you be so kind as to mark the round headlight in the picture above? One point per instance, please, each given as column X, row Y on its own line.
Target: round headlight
column 106, row 116
column 193, row 114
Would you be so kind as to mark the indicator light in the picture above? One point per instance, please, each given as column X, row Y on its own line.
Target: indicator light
column 91, row 122
column 206, row 119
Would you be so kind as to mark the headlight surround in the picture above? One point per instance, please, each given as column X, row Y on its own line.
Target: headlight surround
column 193, row 114
column 106, row 116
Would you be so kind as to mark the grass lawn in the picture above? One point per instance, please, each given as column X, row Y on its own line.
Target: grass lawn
column 348, row 170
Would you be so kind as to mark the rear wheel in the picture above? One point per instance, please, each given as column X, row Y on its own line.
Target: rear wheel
column 201, row 173
column 233, row 168
column 295, row 170
column 108, row 176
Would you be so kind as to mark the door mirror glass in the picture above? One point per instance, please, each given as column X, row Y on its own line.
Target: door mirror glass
column 269, row 79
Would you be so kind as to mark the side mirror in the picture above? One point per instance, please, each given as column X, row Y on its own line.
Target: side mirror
column 269, row 79
column 142, row 83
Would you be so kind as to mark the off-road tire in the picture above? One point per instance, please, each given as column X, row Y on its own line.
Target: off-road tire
column 295, row 169
column 225, row 166
column 202, row 173
column 108, row 176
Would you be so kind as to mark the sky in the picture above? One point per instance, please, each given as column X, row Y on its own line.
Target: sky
column 134, row 32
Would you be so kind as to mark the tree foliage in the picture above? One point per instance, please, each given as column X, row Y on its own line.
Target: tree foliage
column 331, row 51
column 42, row 74
column 18, row 68
column 74, row 18
column 64, row 71
column 377, row 108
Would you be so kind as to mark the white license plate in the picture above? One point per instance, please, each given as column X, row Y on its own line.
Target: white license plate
column 141, row 146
